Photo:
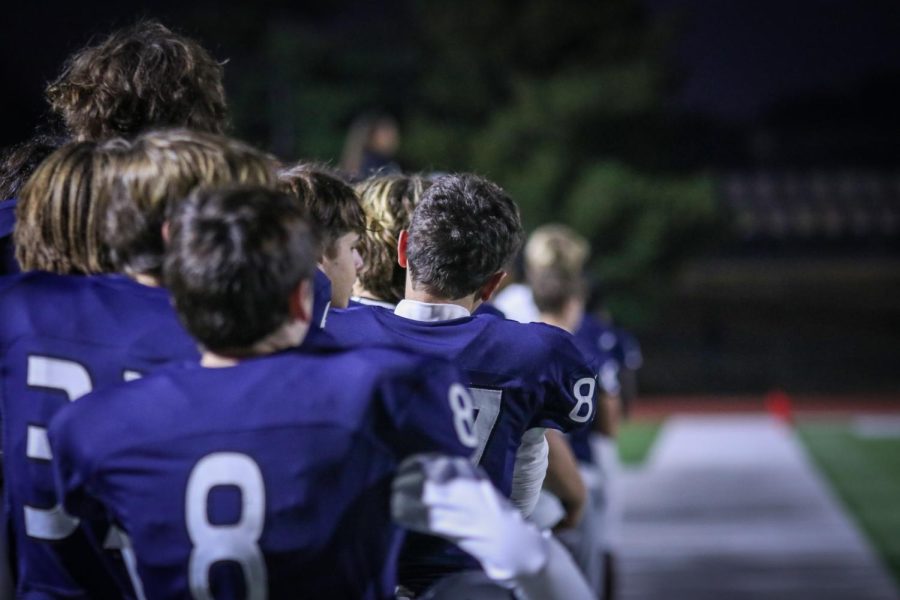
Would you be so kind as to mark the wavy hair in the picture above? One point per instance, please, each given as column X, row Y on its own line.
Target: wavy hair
column 161, row 168
column 388, row 202
column 139, row 78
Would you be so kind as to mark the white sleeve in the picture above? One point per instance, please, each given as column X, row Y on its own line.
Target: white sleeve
column 532, row 459
column 559, row 578
column 517, row 303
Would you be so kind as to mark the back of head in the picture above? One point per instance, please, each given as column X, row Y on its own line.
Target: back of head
column 556, row 246
column 463, row 231
column 139, row 78
column 331, row 205
column 388, row 202
column 235, row 257
column 59, row 214
column 160, row 168
column 20, row 161
column 553, row 289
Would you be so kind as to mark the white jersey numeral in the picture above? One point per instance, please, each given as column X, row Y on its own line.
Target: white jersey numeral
column 74, row 381
column 487, row 402
column 585, row 399
column 237, row 542
column 463, row 415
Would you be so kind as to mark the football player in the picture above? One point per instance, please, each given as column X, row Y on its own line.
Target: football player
column 555, row 257
column 524, row 378
column 265, row 470
column 334, row 212
column 63, row 335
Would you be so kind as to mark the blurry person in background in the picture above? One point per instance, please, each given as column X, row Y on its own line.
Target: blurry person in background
column 16, row 166
column 514, row 299
column 598, row 326
column 555, row 259
column 388, row 202
column 370, row 147
column 335, row 214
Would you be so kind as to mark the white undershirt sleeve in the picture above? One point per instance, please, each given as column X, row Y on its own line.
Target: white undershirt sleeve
column 532, row 458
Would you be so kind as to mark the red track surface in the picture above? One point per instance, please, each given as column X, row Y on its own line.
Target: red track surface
column 658, row 407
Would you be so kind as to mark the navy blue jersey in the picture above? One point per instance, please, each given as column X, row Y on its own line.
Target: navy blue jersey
column 321, row 299
column 599, row 341
column 486, row 308
column 8, row 264
column 61, row 337
column 521, row 376
column 268, row 479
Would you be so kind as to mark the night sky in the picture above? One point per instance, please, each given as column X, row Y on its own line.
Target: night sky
column 737, row 58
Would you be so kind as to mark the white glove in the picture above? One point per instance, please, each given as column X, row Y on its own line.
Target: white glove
column 453, row 499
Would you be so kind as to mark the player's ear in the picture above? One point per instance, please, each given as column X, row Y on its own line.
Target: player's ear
column 165, row 232
column 488, row 289
column 402, row 243
column 301, row 303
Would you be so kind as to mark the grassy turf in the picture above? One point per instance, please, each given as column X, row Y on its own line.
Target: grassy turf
column 635, row 440
column 865, row 472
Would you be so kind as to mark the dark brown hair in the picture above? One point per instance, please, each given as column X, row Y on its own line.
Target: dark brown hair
column 463, row 231
column 139, row 78
column 235, row 256
column 21, row 160
column 332, row 206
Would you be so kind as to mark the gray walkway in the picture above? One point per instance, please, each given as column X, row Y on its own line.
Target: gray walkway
column 728, row 507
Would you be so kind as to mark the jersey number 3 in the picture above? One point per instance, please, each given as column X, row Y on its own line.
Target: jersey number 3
column 72, row 379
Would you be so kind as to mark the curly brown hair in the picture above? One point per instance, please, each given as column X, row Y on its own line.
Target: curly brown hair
column 388, row 202
column 138, row 78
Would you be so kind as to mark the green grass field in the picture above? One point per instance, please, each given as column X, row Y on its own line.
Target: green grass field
column 865, row 473
column 635, row 440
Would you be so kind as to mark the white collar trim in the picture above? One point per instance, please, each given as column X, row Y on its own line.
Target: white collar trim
column 424, row 311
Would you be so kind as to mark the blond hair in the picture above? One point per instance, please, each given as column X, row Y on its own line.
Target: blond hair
column 388, row 202
column 60, row 212
column 558, row 247
column 161, row 168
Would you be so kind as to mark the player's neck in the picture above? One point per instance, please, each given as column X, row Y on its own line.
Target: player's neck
column 211, row 360
column 290, row 335
column 145, row 279
column 467, row 303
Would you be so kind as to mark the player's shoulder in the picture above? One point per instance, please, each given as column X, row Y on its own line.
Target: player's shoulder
column 48, row 287
column 34, row 282
column 356, row 323
column 112, row 415
column 376, row 358
column 539, row 339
